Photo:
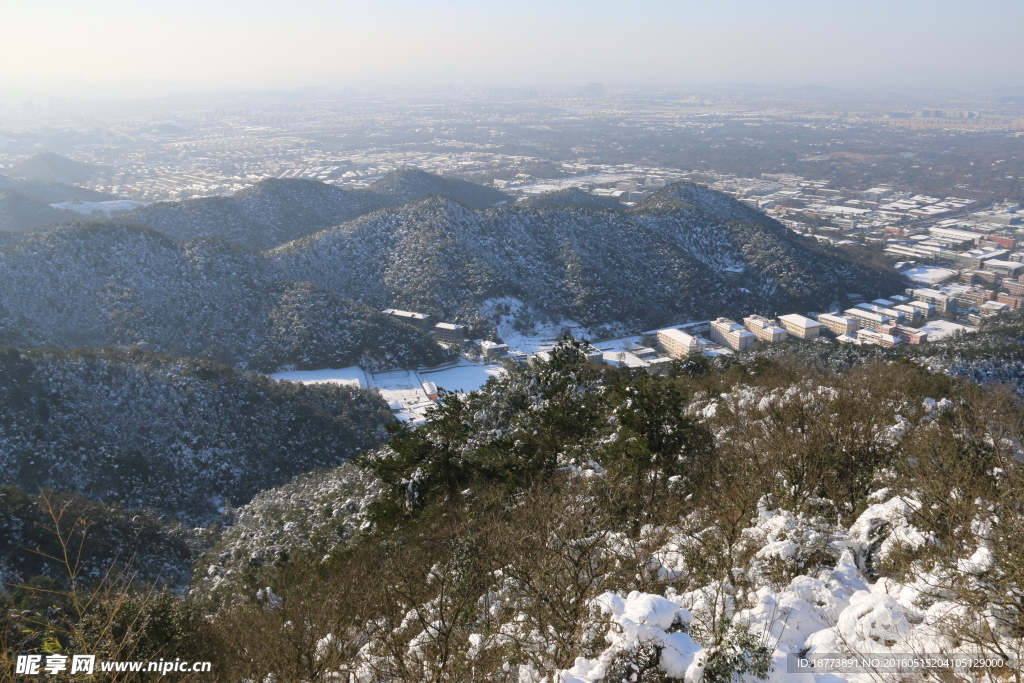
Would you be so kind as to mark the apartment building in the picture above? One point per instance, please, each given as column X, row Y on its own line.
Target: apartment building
column 677, row 344
column 731, row 335
column 879, row 338
column 868, row 320
column 838, row 324
column 1014, row 288
column 942, row 302
column 908, row 335
column 491, row 349
column 913, row 315
column 799, row 326
column 449, row 333
column 420, row 320
column 764, row 329
column 1014, row 302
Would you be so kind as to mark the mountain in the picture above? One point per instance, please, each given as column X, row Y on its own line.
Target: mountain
column 181, row 436
column 590, row 525
column 19, row 212
column 52, row 193
column 98, row 284
column 685, row 253
column 271, row 212
column 402, row 187
column 48, row 167
column 275, row 211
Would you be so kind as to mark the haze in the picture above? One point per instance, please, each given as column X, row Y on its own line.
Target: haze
column 263, row 44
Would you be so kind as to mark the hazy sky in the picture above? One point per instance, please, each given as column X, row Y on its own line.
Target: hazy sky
column 257, row 43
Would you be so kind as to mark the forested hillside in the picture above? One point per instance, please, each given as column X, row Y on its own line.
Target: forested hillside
column 48, row 167
column 275, row 211
column 183, row 437
column 661, row 262
column 52, row 192
column 19, row 212
column 688, row 254
column 588, row 524
column 570, row 521
column 98, row 284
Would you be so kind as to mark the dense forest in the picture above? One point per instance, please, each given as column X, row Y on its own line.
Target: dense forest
column 582, row 523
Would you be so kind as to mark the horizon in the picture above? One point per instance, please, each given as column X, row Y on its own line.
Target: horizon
column 116, row 49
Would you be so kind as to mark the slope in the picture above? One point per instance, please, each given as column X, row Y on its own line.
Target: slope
column 275, row 211
column 96, row 284
column 269, row 213
column 19, row 212
column 52, row 193
column 48, row 167
column 655, row 264
column 409, row 185
column 180, row 436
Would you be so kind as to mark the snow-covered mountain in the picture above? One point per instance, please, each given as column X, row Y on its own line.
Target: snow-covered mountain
column 99, row 284
column 687, row 252
column 275, row 211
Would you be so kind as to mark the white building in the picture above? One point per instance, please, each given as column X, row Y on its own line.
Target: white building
column 731, row 335
column 677, row 344
column 800, row 327
column 764, row 329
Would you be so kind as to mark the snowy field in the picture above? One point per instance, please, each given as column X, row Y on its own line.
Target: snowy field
column 353, row 376
column 930, row 275
column 111, row 208
column 464, row 377
column 940, row 329
column 400, row 388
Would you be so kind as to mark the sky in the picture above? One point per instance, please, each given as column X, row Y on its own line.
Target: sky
column 287, row 43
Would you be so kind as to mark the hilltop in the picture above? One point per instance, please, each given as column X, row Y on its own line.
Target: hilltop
column 573, row 196
column 402, row 187
column 49, row 167
column 264, row 215
column 275, row 211
column 657, row 263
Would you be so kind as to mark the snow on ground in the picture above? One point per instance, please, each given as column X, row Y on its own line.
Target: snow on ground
column 402, row 389
column 623, row 344
column 353, row 376
column 537, row 336
column 940, row 329
column 111, row 208
column 931, row 275
column 464, row 377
